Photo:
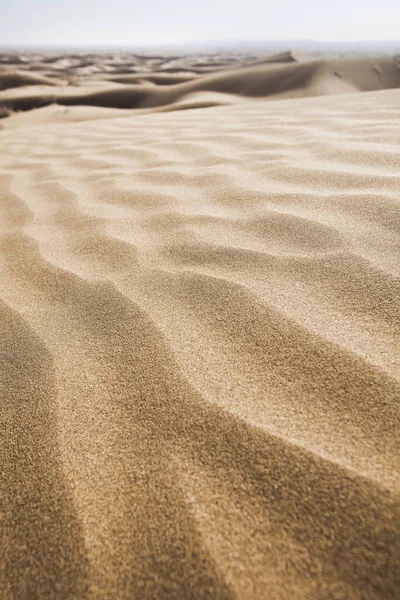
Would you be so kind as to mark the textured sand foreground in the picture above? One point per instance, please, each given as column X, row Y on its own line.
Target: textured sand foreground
column 199, row 366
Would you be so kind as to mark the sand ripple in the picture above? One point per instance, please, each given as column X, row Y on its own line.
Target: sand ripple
column 199, row 367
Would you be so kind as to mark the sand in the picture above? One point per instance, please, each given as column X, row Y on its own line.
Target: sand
column 199, row 338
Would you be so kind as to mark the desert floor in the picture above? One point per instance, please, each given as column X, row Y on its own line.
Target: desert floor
column 199, row 328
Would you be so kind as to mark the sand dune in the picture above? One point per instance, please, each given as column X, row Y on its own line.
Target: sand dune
column 275, row 77
column 199, row 321
column 15, row 79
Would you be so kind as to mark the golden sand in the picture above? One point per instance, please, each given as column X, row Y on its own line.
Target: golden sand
column 199, row 366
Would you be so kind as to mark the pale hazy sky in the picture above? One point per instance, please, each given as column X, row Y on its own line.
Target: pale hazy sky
column 125, row 22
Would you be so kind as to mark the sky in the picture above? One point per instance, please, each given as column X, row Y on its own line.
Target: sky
column 130, row 22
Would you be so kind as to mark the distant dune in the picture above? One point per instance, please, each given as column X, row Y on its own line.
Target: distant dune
column 14, row 79
column 91, row 82
column 199, row 328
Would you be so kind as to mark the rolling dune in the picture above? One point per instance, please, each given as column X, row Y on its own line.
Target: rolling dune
column 274, row 77
column 199, row 358
column 15, row 79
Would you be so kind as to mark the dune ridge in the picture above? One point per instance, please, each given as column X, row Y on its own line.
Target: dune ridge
column 154, row 88
column 199, row 365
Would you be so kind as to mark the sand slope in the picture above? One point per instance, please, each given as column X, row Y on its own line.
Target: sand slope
column 199, row 366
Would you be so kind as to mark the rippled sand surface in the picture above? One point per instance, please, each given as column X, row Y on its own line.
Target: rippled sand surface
column 199, row 353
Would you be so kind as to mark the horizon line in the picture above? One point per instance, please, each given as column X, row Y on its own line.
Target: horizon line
column 198, row 42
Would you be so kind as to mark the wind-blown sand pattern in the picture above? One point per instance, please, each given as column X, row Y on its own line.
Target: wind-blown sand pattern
column 199, row 366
